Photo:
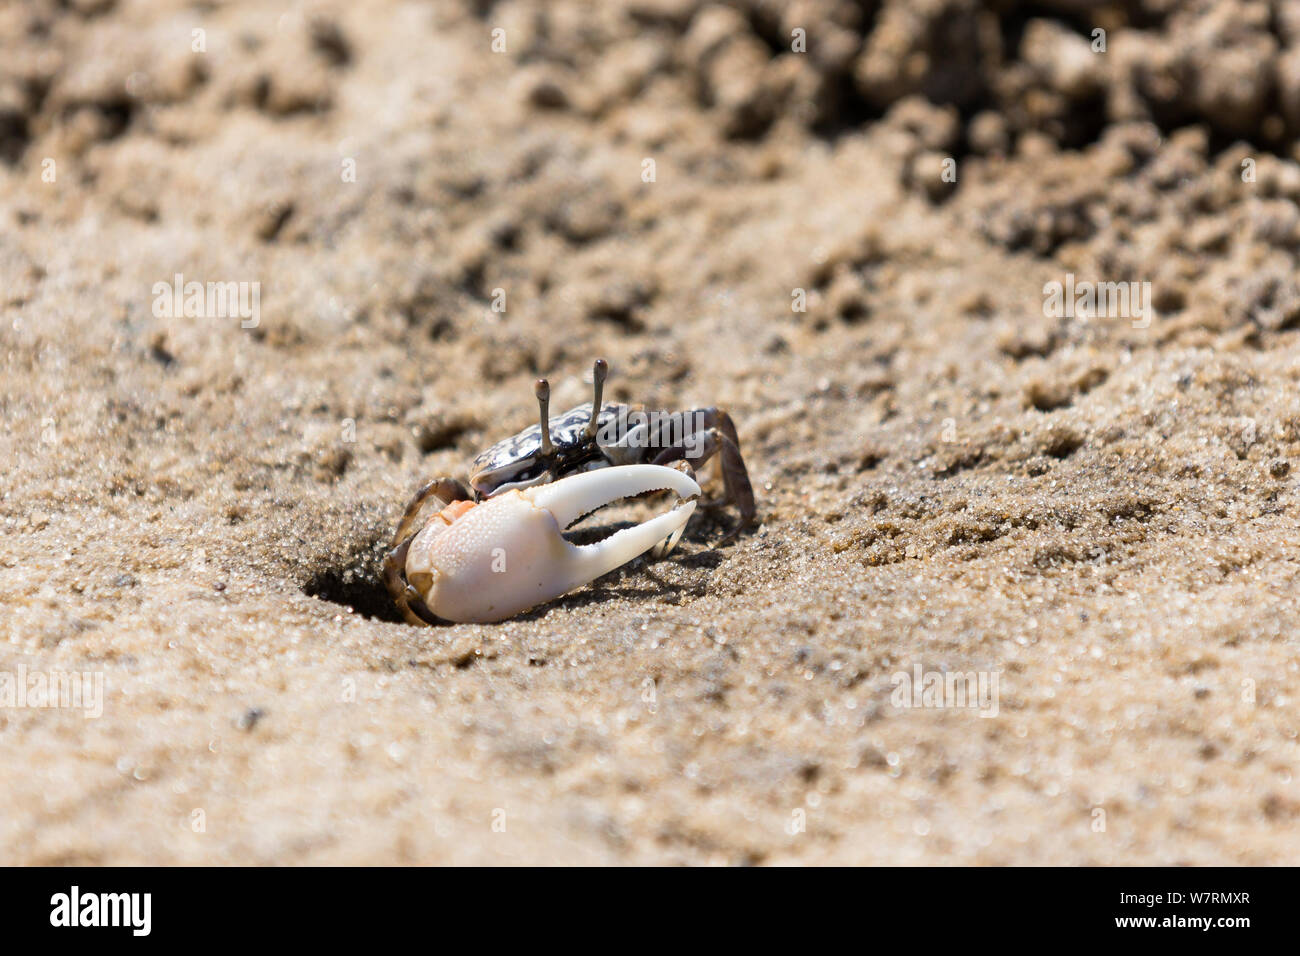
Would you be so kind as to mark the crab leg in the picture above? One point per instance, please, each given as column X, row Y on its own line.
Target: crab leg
column 508, row 554
column 719, row 438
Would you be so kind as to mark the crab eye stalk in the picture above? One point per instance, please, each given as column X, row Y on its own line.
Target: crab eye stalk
column 598, row 374
column 543, row 392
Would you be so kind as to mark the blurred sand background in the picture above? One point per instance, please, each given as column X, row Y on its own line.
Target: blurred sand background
column 1103, row 515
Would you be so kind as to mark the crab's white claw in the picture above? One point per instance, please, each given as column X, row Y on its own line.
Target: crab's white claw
column 571, row 498
column 508, row 553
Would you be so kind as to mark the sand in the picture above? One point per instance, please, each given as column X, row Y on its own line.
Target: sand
column 1094, row 513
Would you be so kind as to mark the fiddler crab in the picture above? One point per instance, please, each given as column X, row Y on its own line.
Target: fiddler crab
column 497, row 548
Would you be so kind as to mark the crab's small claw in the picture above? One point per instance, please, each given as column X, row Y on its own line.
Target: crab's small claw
column 508, row 554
